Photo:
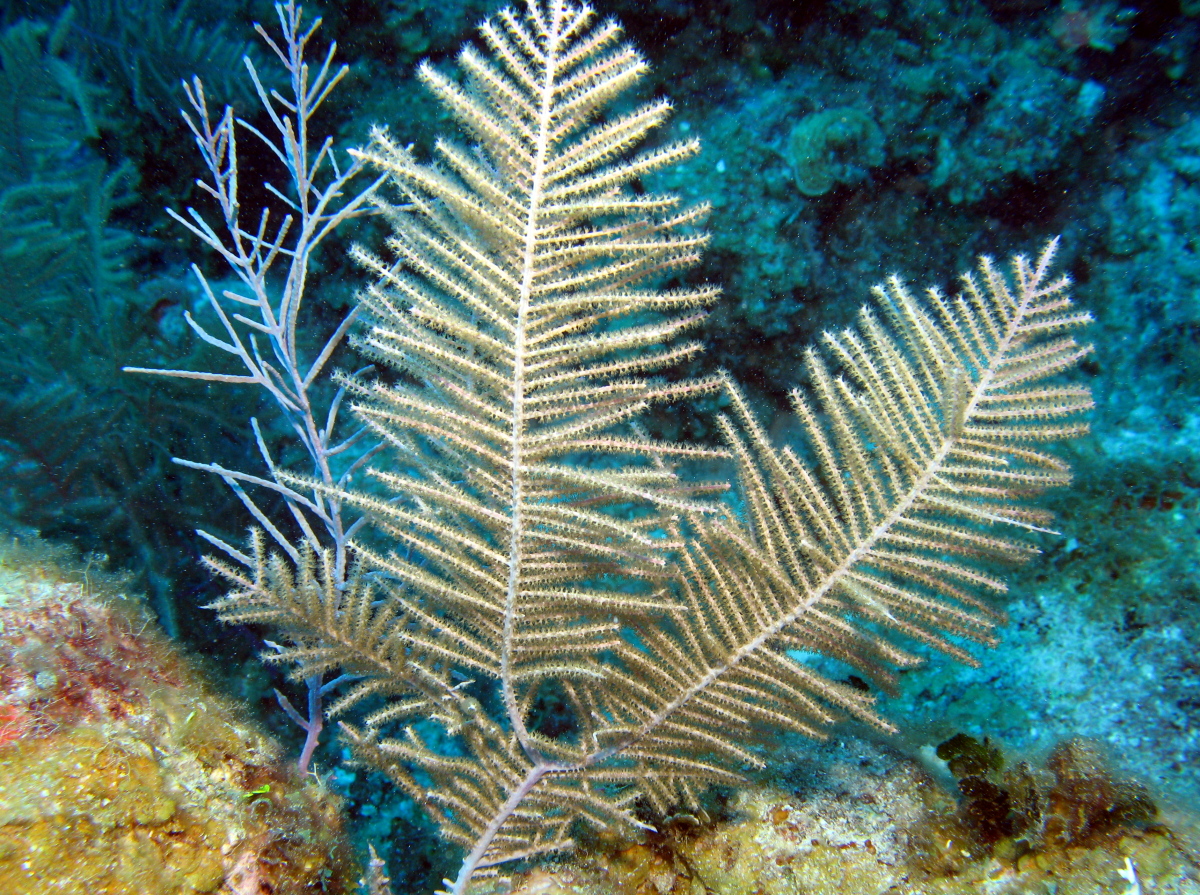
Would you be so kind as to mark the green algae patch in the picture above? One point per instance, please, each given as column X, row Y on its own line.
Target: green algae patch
column 834, row 146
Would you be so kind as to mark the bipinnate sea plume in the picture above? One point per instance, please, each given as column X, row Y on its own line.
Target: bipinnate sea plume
column 529, row 541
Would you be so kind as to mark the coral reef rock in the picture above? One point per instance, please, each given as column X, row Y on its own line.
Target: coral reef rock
column 123, row 771
column 885, row 826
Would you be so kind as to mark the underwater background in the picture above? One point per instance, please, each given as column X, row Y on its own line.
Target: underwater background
column 843, row 141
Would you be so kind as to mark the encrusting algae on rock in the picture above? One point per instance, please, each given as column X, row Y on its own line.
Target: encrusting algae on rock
column 124, row 772
column 878, row 823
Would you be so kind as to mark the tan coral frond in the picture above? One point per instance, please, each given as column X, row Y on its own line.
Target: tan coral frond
column 916, row 471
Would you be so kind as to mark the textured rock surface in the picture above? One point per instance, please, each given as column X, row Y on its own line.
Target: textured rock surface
column 123, row 772
column 884, row 826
